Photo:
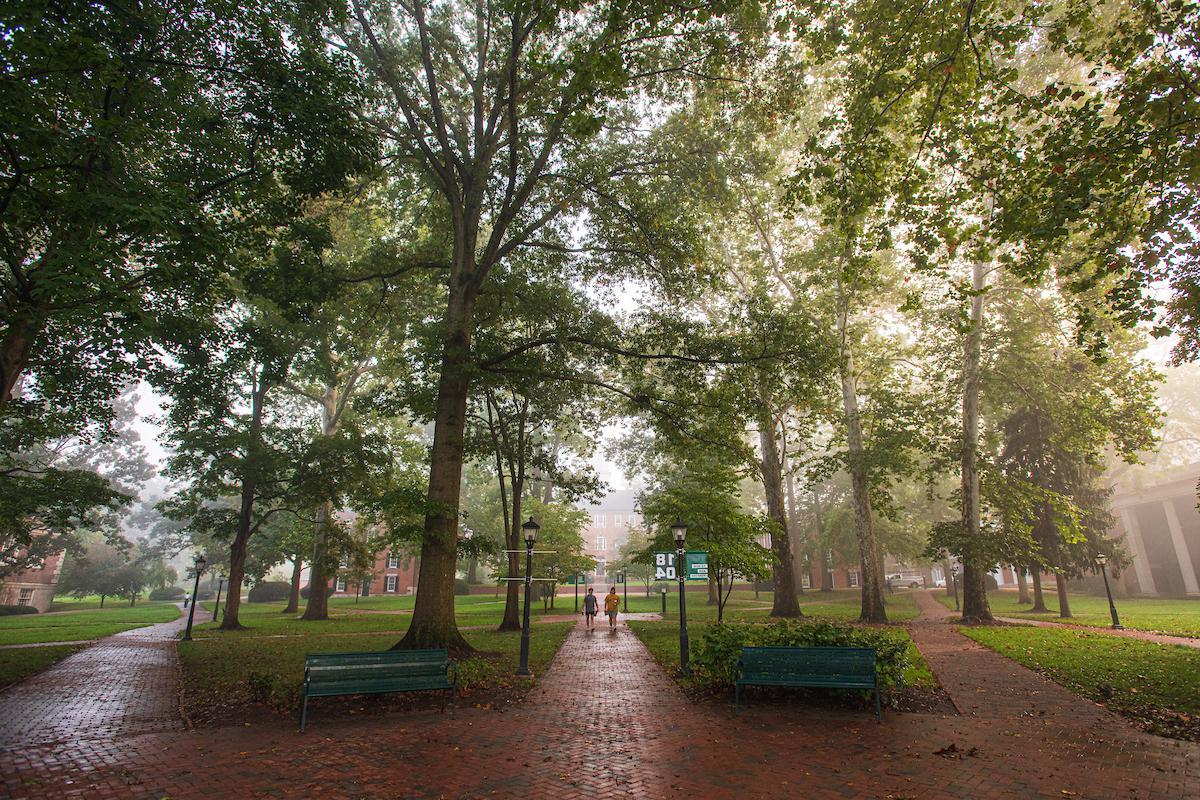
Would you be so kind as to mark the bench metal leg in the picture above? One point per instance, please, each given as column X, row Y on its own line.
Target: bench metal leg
column 878, row 709
column 304, row 712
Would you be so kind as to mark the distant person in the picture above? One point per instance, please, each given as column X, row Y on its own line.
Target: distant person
column 611, row 604
column 590, row 606
column 187, row 598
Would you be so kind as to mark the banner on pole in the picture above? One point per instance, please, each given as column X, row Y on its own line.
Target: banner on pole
column 696, row 562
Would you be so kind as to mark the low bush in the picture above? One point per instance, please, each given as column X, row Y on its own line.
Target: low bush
column 715, row 657
column 461, row 586
column 269, row 591
column 166, row 593
column 304, row 592
column 6, row 611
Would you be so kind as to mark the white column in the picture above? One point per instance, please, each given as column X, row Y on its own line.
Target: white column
column 1137, row 549
column 1181, row 549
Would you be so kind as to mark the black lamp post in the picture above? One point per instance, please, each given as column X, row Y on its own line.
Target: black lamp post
column 625, row 588
column 679, row 531
column 663, row 590
column 198, row 565
column 530, row 529
column 220, row 585
column 1102, row 559
column 575, row 580
column 954, row 578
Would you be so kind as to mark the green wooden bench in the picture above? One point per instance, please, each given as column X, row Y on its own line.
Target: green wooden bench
column 815, row 667
column 329, row 674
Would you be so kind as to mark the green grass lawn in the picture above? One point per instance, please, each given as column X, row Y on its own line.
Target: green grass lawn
column 19, row 663
column 1175, row 617
column 89, row 623
column 1129, row 675
column 232, row 671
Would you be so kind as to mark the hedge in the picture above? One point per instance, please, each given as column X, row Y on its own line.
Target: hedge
column 7, row 611
column 269, row 591
column 714, row 658
column 167, row 593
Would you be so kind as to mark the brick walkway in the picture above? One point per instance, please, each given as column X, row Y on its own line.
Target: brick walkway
column 608, row 722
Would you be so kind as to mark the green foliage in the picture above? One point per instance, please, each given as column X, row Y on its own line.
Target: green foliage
column 167, row 593
column 269, row 591
column 715, row 655
column 8, row 610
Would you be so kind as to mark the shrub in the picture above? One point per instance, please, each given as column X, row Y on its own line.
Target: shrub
column 990, row 580
column 6, row 611
column 269, row 591
column 461, row 586
column 304, row 592
column 715, row 657
column 204, row 593
column 166, row 593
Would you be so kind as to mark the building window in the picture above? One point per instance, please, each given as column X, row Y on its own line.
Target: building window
column 389, row 583
column 393, row 561
column 340, row 585
column 806, row 581
column 600, row 544
column 853, row 575
column 599, row 567
column 26, row 598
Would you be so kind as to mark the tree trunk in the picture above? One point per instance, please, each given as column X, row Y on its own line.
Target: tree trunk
column 473, row 571
column 946, row 570
column 975, row 604
column 237, row 551
column 714, row 590
column 1064, row 607
column 317, row 607
column 1039, row 599
column 294, row 595
column 872, row 589
column 433, row 624
column 793, row 515
column 785, row 603
column 102, row 601
column 1022, row 585
column 14, row 353
column 512, row 600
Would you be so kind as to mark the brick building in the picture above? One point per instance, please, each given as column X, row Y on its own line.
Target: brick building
column 608, row 528
column 33, row 587
column 393, row 573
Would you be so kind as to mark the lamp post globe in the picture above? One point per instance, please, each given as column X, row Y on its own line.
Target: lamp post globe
column 198, row 568
column 530, row 530
column 679, row 532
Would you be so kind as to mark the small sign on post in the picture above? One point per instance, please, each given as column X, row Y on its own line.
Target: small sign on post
column 696, row 566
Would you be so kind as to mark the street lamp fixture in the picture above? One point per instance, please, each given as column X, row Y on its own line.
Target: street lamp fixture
column 1102, row 559
column 198, row 566
column 954, row 579
column 221, row 576
column 530, row 530
column 679, row 531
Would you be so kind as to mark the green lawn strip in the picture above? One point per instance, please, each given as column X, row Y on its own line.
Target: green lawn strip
column 19, row 663
column 91, row 623
column 1172, row 617
column 236, row 671
column 662, row 640
column 1139, row 675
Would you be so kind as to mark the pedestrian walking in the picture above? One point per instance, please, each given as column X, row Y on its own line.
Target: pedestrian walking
column 611, row 603
column 590, row 607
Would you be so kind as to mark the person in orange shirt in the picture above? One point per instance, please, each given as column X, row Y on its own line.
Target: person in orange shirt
column 611, row 604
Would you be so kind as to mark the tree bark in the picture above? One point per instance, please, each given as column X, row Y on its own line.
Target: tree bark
column 785, row 602
column 237, row 551
column 793, row 515
column 872, row 589
column 1039, row 599
column 975, row 604
column 1064, row 606
column 14, row 353
column 294, row 595
column 433, row 624
column 317, row 607
column 1022, row 585
column 472, row 571
column 714, row 591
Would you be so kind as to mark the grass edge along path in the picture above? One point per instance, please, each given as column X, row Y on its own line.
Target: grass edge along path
column 1171, row 617
column 1157, row 685
column 19, row 663
column 87, row 624
column 238, row 678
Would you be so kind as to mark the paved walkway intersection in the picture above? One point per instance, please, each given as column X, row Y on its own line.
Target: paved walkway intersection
column 606, row 721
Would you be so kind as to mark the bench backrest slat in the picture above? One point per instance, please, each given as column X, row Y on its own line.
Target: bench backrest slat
column 827, row 662
column 387, row 665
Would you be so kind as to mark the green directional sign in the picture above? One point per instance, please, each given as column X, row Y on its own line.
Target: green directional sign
column 697, row 566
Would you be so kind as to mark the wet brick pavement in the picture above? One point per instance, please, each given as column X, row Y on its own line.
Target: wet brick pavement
column 607, row 722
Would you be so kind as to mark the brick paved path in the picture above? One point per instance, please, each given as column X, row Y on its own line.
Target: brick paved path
column 607, row 722
column 1128, row 633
